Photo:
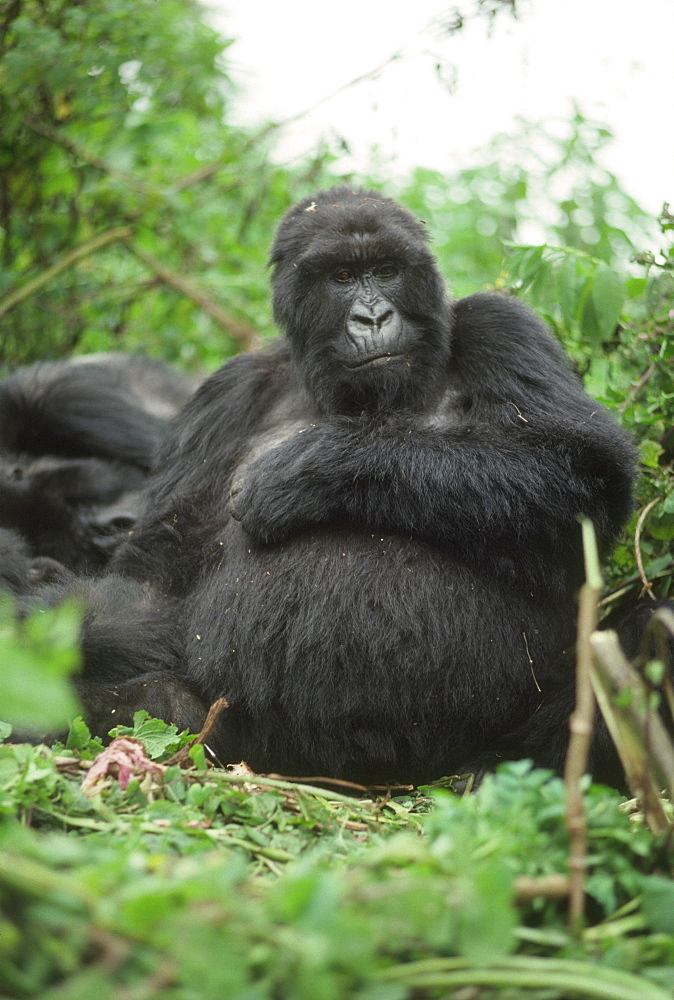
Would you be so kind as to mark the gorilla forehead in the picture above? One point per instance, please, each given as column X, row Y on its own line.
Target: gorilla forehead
column 360, row 248
column 348, row 224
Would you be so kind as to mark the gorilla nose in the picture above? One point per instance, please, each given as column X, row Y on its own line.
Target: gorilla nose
column 371, row 318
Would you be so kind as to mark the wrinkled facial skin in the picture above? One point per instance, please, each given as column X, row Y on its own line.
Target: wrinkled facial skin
column 362, row 303
column 374, row 329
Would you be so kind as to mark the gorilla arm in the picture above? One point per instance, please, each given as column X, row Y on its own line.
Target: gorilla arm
column 514, row 463
column 462, row 488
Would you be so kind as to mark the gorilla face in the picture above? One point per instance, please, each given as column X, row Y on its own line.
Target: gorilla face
column 360, row 297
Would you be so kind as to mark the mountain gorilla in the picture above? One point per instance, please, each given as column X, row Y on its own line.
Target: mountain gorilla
column 76, row 441
column 366, row 537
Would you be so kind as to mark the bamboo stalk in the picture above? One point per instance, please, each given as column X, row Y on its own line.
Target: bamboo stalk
column 581, row 725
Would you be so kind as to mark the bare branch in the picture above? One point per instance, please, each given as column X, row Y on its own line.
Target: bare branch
column 636, row 728
column 94, row 161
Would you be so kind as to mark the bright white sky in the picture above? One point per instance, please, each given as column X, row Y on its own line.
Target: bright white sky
column 615, row 57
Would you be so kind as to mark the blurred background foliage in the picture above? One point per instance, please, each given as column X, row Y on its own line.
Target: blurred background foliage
column 133, row 216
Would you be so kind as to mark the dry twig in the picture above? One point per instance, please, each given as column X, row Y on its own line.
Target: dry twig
column 182, row 757
column 636, row 728
column 647, row 585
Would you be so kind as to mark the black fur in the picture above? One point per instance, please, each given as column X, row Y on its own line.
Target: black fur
column 390, row 590
column 76, row 442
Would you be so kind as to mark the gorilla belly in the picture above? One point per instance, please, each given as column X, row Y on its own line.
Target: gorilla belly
column 361, row 655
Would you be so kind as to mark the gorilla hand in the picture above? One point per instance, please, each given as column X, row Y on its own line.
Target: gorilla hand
column 288, row 488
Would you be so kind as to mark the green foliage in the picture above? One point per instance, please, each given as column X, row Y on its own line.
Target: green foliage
column 620, row 331
column 160, row 739
column 255, row 907
column 531, row 837
column 610, row 301
column 580, row 294
column 540, row 180
column 131, row 214
column 38, row 654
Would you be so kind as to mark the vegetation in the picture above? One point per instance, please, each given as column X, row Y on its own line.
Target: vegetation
column 133, row 216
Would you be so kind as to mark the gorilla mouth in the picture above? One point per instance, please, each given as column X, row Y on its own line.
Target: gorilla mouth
column 375, row 359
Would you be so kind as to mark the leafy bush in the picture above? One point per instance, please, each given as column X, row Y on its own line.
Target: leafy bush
column 131, row 214
column 185, row 888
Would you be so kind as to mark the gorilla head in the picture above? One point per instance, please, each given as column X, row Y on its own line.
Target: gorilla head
column 358, row 293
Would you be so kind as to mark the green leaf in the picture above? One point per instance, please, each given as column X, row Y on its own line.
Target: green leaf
column 157, row 737
column 650, row 452
column 524, row 263
column 596, row 377
column 608, row 295
column 659, row 903
column 668, row 504
column 38, row 655
column 78, row 734
column 569, row 287
column 486, row 917
column 198, row 756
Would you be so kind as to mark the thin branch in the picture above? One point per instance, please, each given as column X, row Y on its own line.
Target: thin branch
column 182, row 757
column 637, row 387
column 370, row 75
column 660, row 633
column 202, row 174
column 84, row 250
column 550, row 886
column 94, row 161
column 246, row 336
column 636, row 728
column 205, row 173
column 647, row 585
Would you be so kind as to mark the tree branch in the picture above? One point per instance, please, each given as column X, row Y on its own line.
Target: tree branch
column 94, row 161
column 648, row 586
column 89, row 247
column 246, row 336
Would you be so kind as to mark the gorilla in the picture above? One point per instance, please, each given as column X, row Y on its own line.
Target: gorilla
column 76, row 442
column 365, row 537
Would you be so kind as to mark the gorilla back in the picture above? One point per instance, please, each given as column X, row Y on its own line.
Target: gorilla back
column 365, row 538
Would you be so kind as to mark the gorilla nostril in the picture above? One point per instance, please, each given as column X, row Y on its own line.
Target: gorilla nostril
column 372, row 319
column 122, row 523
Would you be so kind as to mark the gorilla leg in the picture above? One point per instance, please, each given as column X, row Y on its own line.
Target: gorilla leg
column 132, row 653
column 161, row 695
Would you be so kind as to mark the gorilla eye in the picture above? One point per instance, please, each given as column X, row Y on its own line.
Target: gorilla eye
column 387, row 271
column 343, row 275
